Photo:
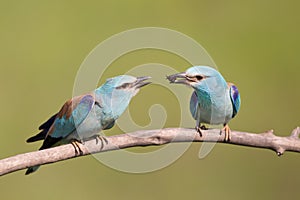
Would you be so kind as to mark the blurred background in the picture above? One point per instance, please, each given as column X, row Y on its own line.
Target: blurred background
column 255, row 44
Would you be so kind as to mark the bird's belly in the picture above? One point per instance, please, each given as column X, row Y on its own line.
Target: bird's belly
column 90, row 127
column 215, row 114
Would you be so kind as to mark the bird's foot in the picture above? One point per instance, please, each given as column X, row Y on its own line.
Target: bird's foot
column 75, row 144
column 198, row 129
column 227, row 131
column 102, row 140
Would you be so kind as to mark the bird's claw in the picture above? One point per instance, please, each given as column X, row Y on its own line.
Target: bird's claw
column 77, row 148
column 227, row 131
column 198, row 129
column 102, row 139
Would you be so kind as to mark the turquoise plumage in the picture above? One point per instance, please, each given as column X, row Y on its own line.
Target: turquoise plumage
column 214, row 101
column 83, row 117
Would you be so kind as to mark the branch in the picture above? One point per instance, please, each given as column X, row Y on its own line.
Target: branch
column 151, row 137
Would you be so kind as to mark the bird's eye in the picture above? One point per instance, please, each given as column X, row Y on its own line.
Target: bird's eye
column 199, row 78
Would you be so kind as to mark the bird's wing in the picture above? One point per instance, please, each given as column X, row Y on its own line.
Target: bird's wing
column 70, row 116
column 235, row 98
column 194, row 105
column 48, row 123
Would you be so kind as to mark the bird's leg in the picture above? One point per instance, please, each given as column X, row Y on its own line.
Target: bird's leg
column 227, row 131
column 75, row 144
column 199, row 127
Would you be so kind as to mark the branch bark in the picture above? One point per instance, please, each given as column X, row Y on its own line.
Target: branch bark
column 151, row 137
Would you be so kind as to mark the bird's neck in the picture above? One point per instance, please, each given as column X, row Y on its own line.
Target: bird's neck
column 113, row 103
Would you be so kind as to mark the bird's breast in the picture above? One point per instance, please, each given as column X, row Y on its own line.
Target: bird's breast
column 92, row 124
column 215, row 109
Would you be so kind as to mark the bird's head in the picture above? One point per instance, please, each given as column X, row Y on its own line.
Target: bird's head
column 117, row 92
column 123, row 86
column 126, row 83
column 198, row 77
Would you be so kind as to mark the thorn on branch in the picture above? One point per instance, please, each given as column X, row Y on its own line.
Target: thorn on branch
column 295, row 133
column 269, row 133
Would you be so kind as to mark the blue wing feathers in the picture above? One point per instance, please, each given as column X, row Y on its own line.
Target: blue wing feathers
column 71, row 115
column 194, row 105
column 235, row 99
column 83, row 109
column 60, row 125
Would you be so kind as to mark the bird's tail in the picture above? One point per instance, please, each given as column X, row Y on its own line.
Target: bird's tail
column 32, row 169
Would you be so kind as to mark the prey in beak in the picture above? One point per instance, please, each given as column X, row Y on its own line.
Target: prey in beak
column 178, row 78
column 183, row 78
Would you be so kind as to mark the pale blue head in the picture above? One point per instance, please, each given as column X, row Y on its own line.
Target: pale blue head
column 116, row 93
column 200, row 78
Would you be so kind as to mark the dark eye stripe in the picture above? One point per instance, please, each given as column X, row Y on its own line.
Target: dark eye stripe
column 195, row 78
column 123, row 86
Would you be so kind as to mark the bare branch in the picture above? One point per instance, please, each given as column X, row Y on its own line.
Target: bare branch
column 151, row 137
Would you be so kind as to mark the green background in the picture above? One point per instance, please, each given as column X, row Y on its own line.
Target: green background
column 254, row 43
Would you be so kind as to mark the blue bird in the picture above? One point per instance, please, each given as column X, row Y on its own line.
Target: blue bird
column 83, row 117
column 214, row 101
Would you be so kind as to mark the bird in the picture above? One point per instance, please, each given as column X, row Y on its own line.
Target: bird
column 214, row 101
column 83, row 117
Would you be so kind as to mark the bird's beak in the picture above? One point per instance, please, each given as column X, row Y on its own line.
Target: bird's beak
column 178, row 78
column 140, row 81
